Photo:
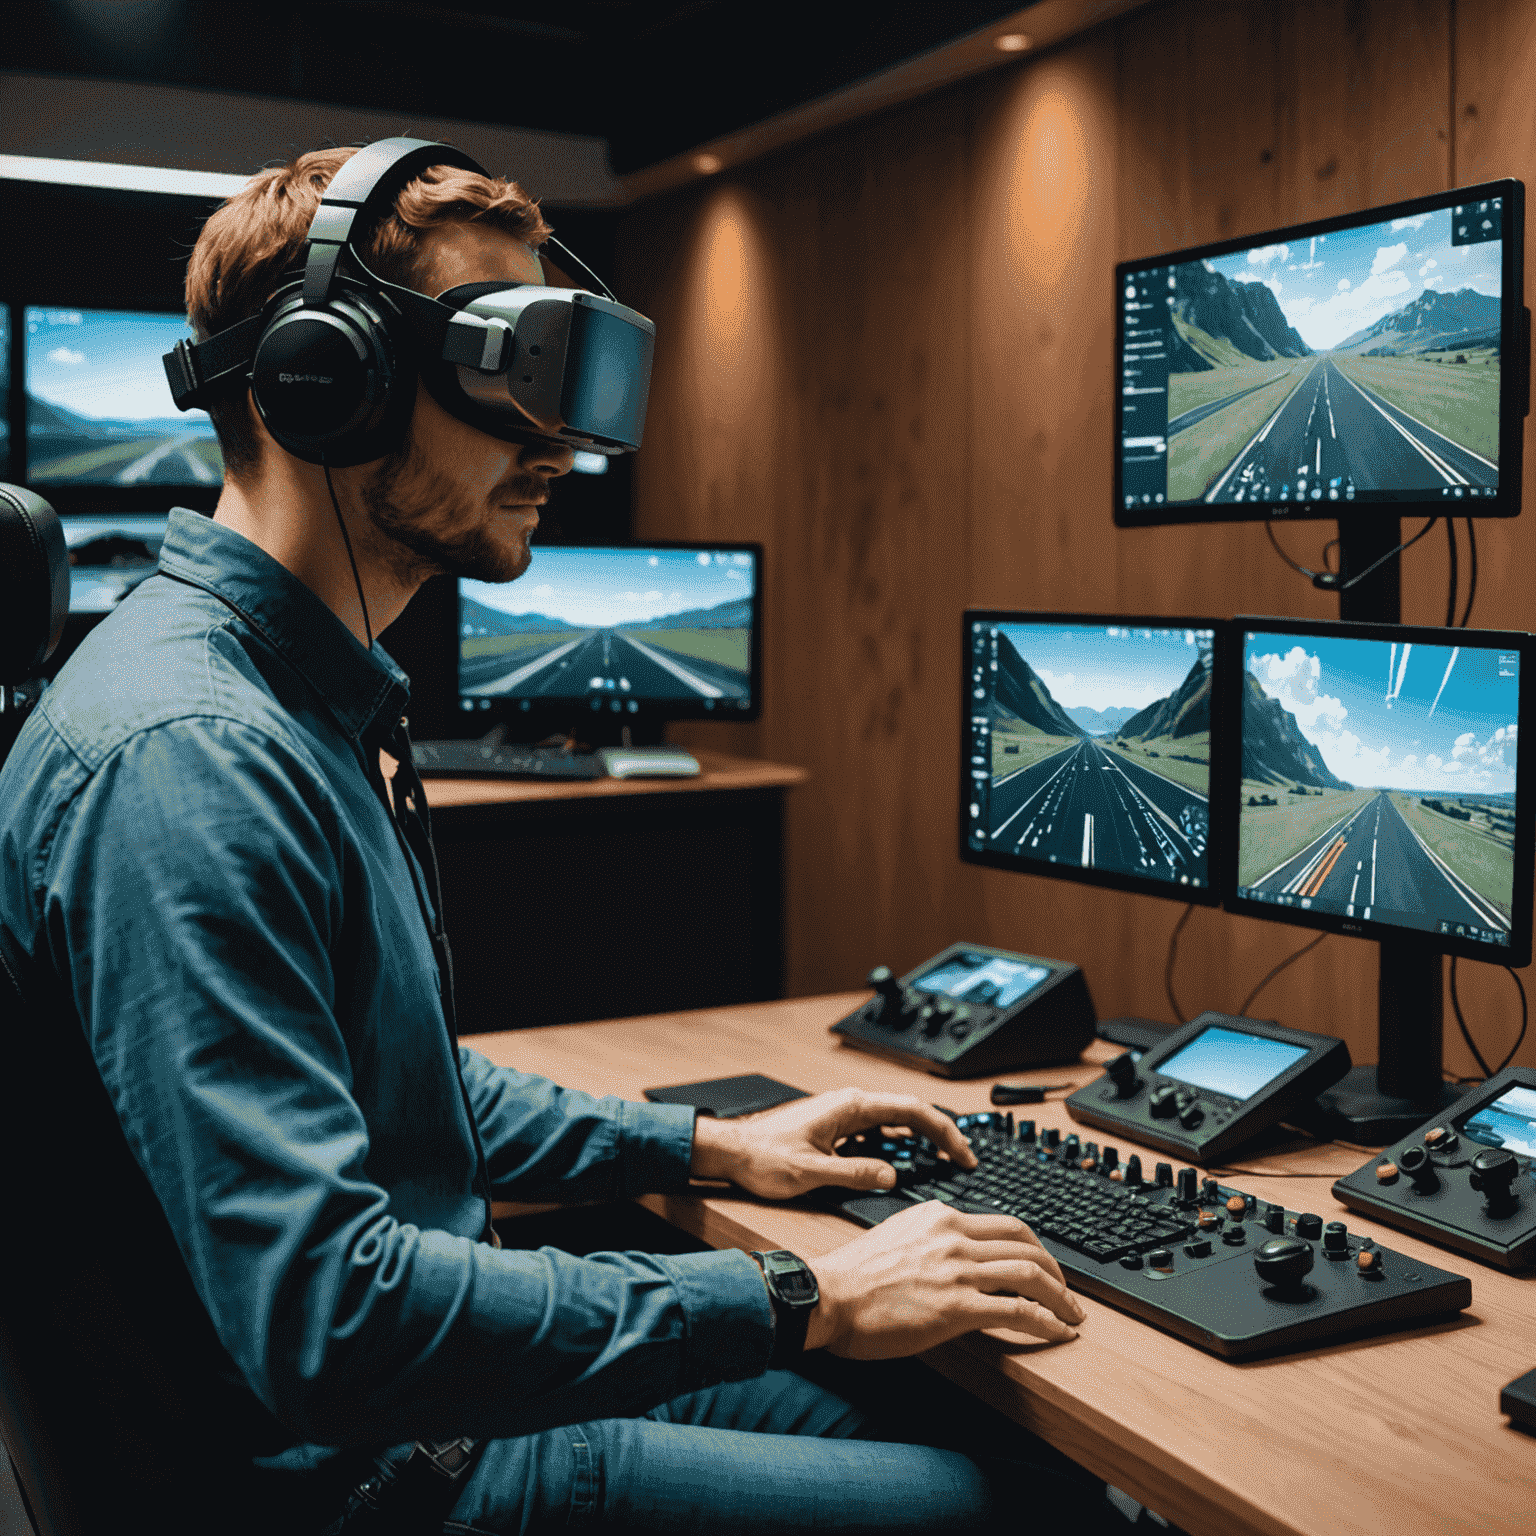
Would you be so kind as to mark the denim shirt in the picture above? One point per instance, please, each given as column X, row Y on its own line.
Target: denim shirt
column 195, row 849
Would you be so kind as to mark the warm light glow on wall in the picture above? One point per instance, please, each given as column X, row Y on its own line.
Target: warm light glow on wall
column 1051, row 179
column 707, row 164
column 1011, row 42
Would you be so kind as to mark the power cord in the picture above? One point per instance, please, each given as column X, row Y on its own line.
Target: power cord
column 1328, row 580
column 1289, row 960
column 342, row 524
column 1466, row 1034
column 1466, row 613
column 1450, row 596
column 1173, row 952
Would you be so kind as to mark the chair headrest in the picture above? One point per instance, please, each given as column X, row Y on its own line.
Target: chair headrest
column 34, row 583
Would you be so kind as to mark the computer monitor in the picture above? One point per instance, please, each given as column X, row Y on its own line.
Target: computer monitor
column 6, row 472
column 1086, row 749
column 1370, row 366
column 109, row 555
column 598, row 638
column 1376, row 785
column 99, row 411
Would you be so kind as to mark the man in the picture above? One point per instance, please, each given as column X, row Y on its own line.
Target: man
column 199, row 858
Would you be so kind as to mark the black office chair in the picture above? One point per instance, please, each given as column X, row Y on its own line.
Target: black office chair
column 110, row 1372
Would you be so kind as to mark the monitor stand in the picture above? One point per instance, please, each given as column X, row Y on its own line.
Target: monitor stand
column 1377, row 1104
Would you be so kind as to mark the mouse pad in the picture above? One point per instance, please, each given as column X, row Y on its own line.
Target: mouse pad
column 726, row 1097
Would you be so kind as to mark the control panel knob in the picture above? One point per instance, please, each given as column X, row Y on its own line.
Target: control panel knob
column 1109, row 1159
column 1026, row 1130
column 1164, row 1175
column 1335, row 1238
column 1191, row 1115
column 1122, row 1073
column 1309, row 1226
column 1210, row 1191
column 931, row 1019
column 1133, row 1170
column 1186, row 1189
column 1415, row 1162
column 1050, row 1138
column 1441, row 1139
column 1237, row 1207
column 1161, row 1258
column 1274, row 1218
column 1493, row 1171
column 1072, row 1149
column 1163, row 1101
column 1283, row 1261
column 891, row 998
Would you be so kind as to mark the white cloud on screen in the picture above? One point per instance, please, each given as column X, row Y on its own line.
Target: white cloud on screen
column 1262, row 255
column 1388, row 256
column 1417, row 221
column 1096, row 692
column 66, row 356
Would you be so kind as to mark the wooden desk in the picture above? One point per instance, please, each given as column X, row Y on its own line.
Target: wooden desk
column 591, row 899
column 1398, row 1434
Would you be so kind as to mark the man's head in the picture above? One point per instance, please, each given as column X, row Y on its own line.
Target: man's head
column 449, row 498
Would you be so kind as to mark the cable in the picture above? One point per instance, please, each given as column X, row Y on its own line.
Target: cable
column 1289, row 960
column 1466, row 613
column 1333, row 581
column 342, row 524
column 1450, row 599
column 1173, row 951
column 1466, row 1033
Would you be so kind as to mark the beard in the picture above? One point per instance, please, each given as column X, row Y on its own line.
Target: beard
column 429, row 525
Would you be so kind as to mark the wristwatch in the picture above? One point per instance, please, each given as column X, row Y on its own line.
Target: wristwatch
column 793, row 1289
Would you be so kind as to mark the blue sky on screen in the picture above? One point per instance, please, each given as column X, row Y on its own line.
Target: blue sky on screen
column 591, row 586
column 1106, row 665
column 1406, row 717
column 1331, row 286
column 105, row 363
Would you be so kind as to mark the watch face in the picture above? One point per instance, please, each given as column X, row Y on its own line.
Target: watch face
column 791, row 1278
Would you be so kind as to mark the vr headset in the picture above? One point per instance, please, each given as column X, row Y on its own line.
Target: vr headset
column 333, row 358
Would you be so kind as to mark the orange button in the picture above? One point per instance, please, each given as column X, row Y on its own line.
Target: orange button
column 1434, row 1136
column 1117, row 1174
column 1386, row 1173
column 1207, row 1220
column 1237, row 1205
column 1369, row 1260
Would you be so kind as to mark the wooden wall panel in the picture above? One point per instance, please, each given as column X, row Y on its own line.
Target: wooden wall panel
column 913, row 411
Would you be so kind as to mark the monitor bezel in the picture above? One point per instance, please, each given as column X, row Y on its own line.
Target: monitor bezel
column 545, row 713
column 1514, row 393
column 85, row 499
column 1226, row 768
column 1208, row 895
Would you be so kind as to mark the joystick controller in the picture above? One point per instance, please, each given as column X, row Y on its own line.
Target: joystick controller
column 1122, row 1073
column 1415, row 1162
column 1283, row 1262
column 1492, row 1174
column 895, row 1012
column 1163, row 1101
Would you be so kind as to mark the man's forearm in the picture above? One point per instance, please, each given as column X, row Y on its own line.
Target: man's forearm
column 716, row 1148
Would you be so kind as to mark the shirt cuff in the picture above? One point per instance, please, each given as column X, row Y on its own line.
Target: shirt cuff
column 655, row 1148
column 730, row 1318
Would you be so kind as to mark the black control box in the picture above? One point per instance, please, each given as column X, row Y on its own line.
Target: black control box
column 1207, row 1088
column 1463, row 1179
column 972, row 1011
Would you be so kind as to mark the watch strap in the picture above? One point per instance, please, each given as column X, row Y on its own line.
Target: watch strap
column 791, row 1314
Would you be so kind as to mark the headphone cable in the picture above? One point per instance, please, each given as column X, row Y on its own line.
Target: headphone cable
column 341, row 522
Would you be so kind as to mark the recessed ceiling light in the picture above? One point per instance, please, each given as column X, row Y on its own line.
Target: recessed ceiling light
column 1011, row 42
column 707, row 165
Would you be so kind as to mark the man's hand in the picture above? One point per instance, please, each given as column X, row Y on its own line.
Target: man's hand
column 929, row 1274
column 787, row 1151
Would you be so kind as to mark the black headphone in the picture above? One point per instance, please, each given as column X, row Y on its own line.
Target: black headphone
column 333, row 358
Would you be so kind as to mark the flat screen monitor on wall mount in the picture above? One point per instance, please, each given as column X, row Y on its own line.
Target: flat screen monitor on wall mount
column 1376, row 365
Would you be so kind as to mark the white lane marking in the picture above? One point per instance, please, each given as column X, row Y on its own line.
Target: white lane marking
column 1157, row 809
column 1328, row 397
column 1478, row 903
column 1281, row 865
column 1373, row 871
column 512, row 679
column 1258, row 437
column 682, row 674
column 1355, row 887
column 1426, row 426
column 997, row 834
column 1433, row 459
column 1319, row 454
column 1010, row 777
column 1087, row 839
column 1195, row 793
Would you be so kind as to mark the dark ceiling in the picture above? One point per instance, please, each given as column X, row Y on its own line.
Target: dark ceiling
column 653, row 77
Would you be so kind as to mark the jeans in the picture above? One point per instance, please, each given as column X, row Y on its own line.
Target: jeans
column 780, row 1453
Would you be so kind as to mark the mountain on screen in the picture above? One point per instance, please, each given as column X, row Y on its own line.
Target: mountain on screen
column 1020, row 693
column 1101, row 722
column 733, row 613
column 1434, row 322
column 478, row 619
column 1210, row 309
column 1274, row 750
column 1185, row 712
column 45, row 419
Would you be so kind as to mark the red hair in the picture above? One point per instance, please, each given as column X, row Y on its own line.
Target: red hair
column 257, row 236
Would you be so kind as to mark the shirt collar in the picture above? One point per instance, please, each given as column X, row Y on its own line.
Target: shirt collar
column 366, row 691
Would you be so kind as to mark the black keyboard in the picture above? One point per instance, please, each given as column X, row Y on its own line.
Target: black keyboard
column 1174, row 1252
column 505, row 760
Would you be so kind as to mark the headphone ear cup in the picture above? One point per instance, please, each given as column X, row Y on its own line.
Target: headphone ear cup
column 331, row 383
